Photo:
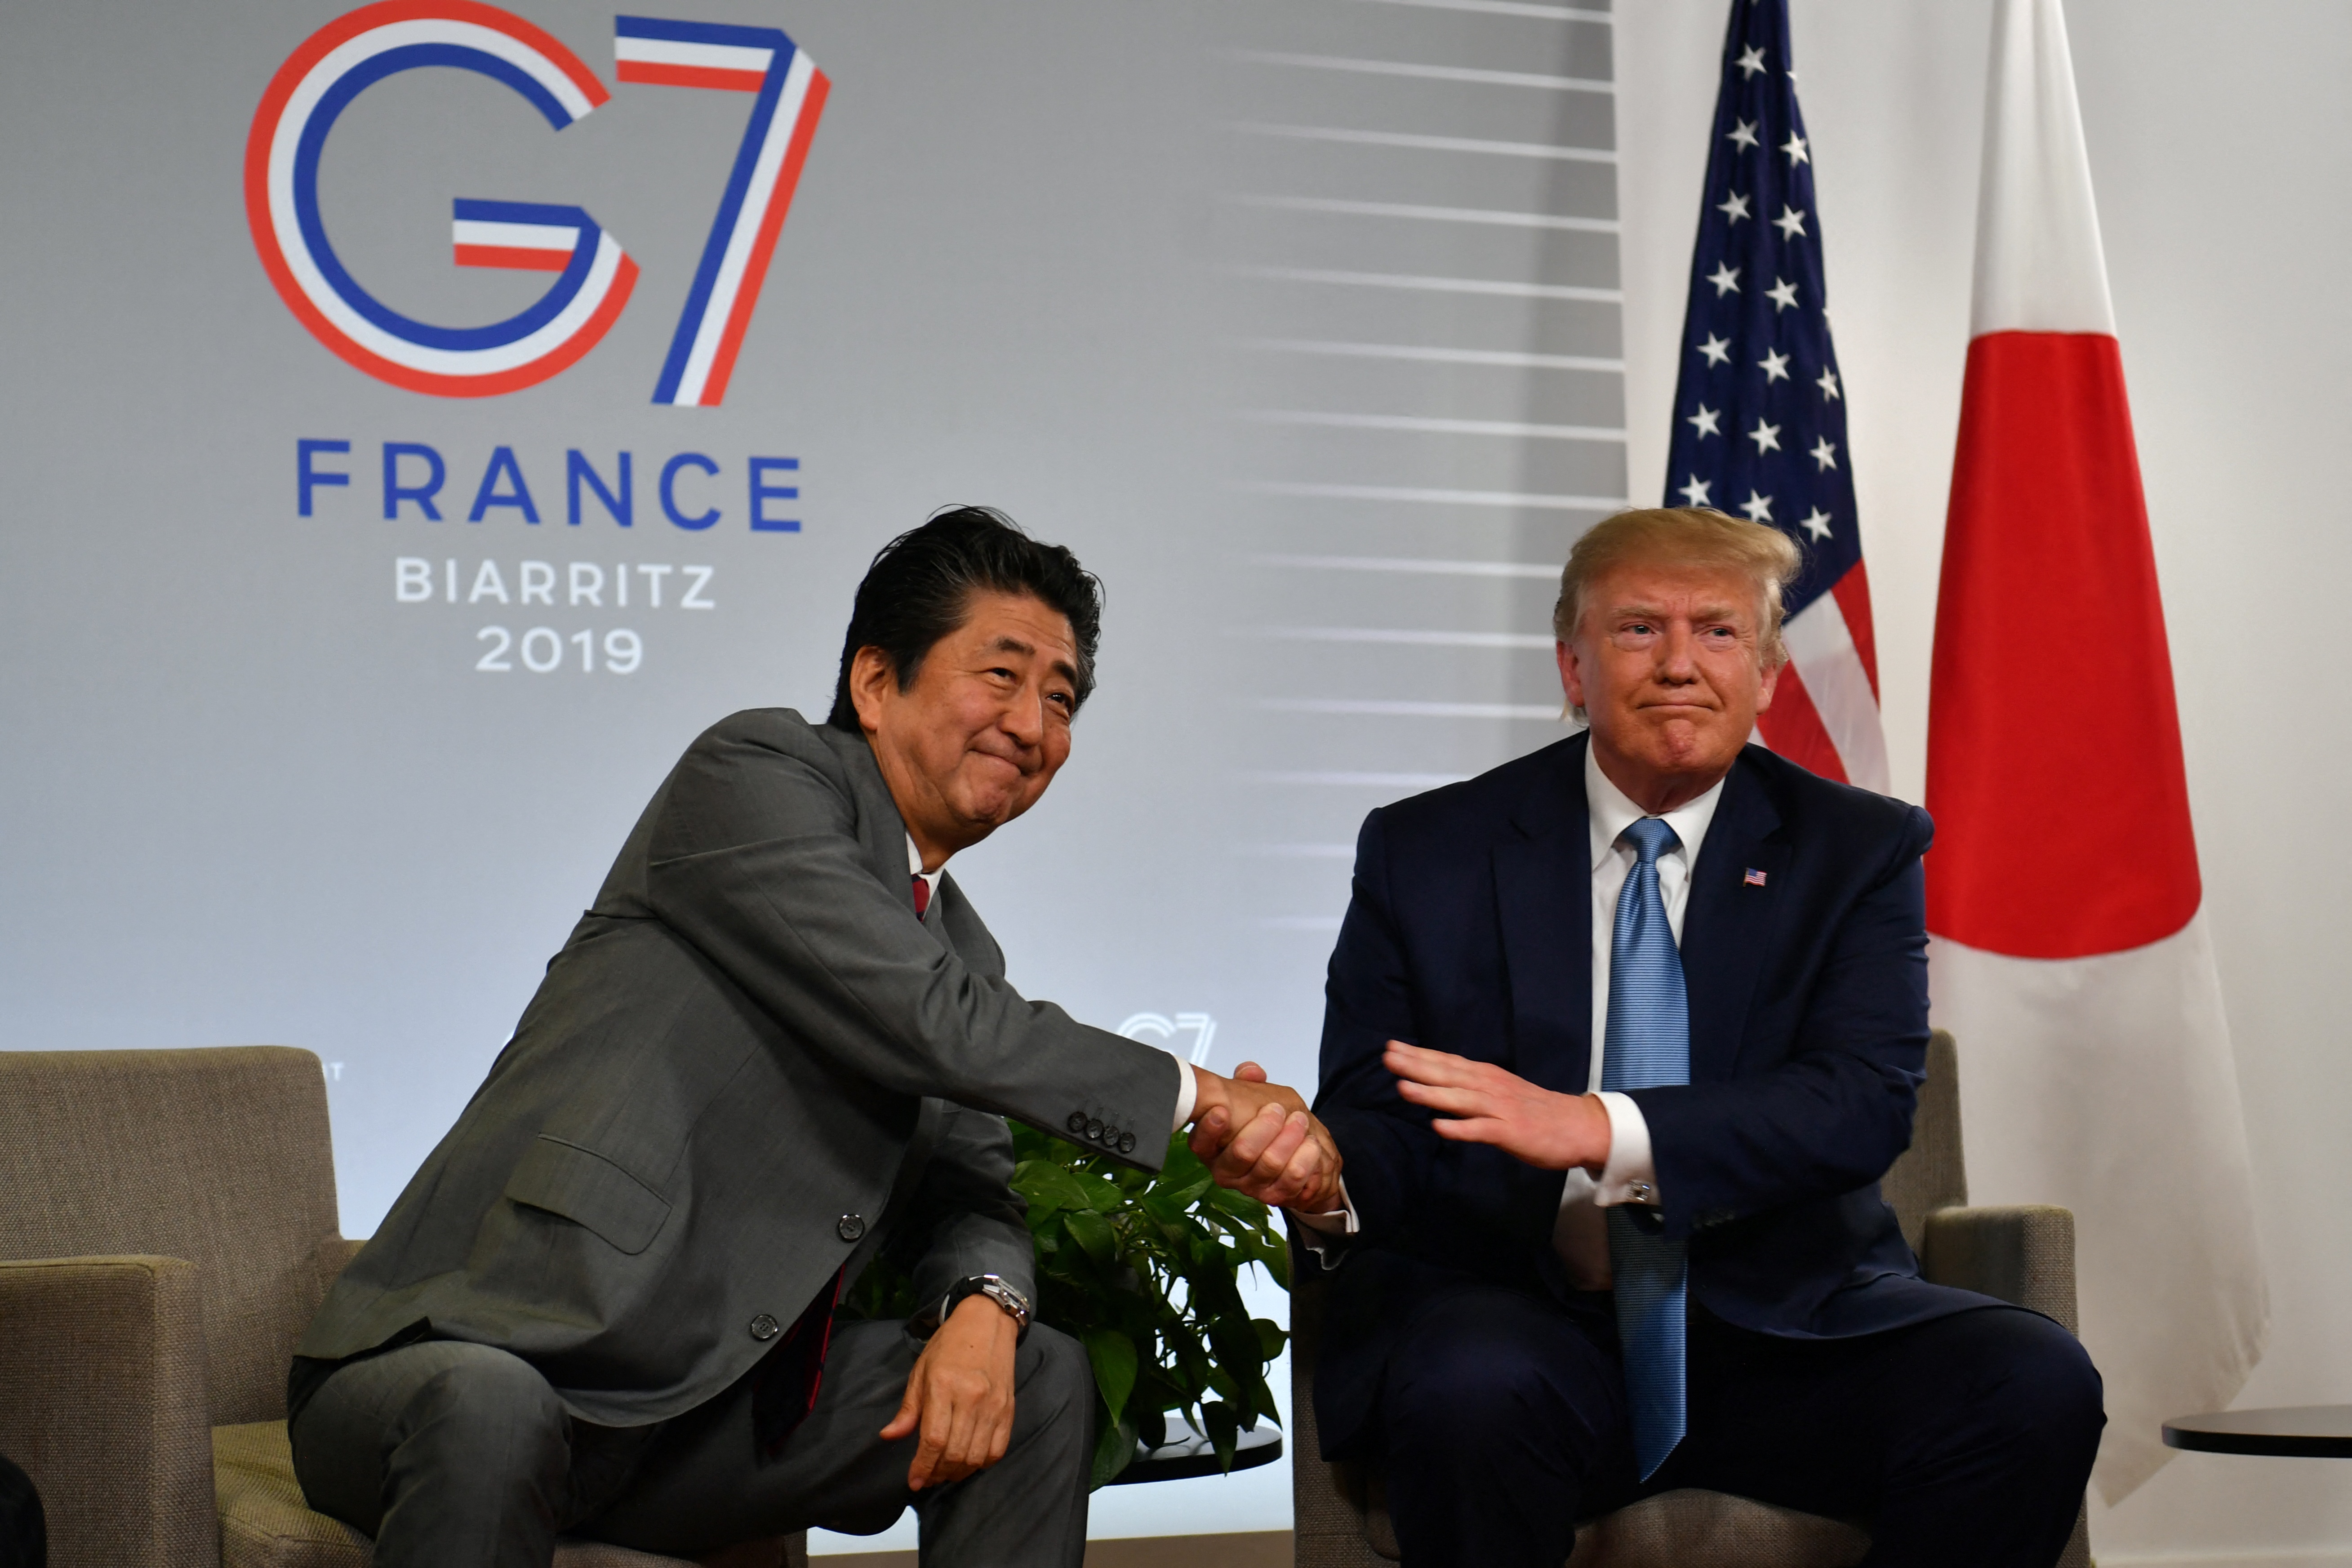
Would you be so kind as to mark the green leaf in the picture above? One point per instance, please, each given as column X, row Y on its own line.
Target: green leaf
column 1223, row 1430
column 1114, row 1451
column 1093, row 1232
column 1044, row 1183
column 1271, row 1338
column 1112, row 1355
column 1275, row 1257
column 1102, row 1192
column 1241, row 1205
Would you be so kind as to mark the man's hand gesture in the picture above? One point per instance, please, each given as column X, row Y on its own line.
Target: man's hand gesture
column 1259, row 1138
column 1478, row 1102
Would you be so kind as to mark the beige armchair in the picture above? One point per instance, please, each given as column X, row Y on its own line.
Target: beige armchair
column 2024, row 1255
column 167, row 1227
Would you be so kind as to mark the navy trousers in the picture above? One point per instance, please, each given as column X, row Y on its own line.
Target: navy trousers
column 1964, row 1441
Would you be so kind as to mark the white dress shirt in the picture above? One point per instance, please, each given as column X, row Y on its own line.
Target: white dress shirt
column 1186, row 1090
column 1580, row 1233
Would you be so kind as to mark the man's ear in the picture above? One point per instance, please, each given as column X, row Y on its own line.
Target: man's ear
column 1764, row 688
column 1571, row 672
column 871, row 681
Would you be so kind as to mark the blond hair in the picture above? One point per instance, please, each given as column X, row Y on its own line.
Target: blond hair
column 1683, row 536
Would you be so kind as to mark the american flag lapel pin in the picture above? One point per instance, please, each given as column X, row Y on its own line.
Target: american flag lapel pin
column 1754, row 879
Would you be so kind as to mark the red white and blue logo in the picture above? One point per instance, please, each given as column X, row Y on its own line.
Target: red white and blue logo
column 790, row 93
column 593, row 276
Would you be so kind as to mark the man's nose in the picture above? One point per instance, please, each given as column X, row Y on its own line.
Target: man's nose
column 1024, row 718
column 1677, row 655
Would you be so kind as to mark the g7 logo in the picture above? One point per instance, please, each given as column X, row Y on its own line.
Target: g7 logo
column 1203, row 1028
column 594, row 276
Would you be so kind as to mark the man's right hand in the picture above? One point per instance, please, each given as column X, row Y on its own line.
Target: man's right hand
column 1259, row 1138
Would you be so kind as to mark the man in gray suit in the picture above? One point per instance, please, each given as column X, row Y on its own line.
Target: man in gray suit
column 781, row 1038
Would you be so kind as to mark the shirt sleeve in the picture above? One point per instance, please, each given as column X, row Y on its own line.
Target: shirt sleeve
column 1188, row 1090
column 1629, row 1176
column 1317, row 1232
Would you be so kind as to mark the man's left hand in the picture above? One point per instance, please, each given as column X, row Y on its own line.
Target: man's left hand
column 960, row 1395
column 1478, row 1102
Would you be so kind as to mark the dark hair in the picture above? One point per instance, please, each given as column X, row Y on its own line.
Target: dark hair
column 919, row 589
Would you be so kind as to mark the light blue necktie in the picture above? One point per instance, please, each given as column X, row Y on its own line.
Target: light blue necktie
column 1648, row 1043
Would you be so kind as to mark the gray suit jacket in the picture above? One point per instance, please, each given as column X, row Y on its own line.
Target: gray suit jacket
column 748, row 1066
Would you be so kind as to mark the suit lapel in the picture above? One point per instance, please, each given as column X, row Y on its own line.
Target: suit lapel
column 881, row 831
column 1731, row 919
column 1543, row 894
column 960, row 930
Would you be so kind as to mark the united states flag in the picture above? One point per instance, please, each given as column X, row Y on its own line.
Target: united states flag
column 1760, row 410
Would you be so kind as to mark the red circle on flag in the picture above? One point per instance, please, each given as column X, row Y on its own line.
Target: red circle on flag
column 2053, row 744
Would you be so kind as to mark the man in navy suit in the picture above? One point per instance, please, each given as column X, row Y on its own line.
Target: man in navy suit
column 1704, row 1128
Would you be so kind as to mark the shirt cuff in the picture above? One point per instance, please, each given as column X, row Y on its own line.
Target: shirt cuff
column 1317, row 1232
column 1188, row 1089
column 1629, row 1177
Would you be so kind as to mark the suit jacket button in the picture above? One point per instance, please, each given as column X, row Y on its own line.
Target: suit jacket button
column 1127, row 1142
column 851, row 1227
column 1094, row 1131
column 1078, row 1122
column 765, row 1328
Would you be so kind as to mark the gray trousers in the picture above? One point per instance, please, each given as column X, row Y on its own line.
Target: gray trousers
column 460, row 1455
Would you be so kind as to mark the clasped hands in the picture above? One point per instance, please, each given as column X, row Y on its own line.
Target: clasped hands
column 1259, row 1139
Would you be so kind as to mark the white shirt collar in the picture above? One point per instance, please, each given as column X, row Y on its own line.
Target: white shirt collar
column 915, row 867
column 1612, row 811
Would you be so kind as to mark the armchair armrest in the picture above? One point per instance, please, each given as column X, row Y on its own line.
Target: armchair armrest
column 102, row 1401
column 2023, row 1254
column 334, row 1254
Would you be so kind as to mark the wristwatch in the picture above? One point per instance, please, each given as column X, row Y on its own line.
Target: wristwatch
column 992, row 1286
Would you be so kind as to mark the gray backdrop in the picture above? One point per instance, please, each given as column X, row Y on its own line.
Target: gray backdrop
column 1296, row 319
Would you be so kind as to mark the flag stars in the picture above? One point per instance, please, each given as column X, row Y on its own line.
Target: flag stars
column 1782, row 294
column 1766, row 436
column 1825, row 453
column 1716, row 349
column 1706, row 421
column 1775, row 366
column 1829, row 384
column 1790, row 222
column 1752, row 62
column 1817, row 523
column 1742, row 135
column 1758, row 508
column 1694, row 492
column 1795, row 147
column 1734, row 208
column 1726, row 278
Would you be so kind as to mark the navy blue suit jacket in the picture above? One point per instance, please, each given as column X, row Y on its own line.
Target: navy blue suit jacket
column 1470, row 930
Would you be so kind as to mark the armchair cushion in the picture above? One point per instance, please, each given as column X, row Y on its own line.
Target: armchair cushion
column 265, row 1523
column 1693, row 1529
column 102, row 1403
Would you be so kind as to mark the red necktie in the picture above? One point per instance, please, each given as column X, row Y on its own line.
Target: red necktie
column 922, row 895
column 790, row 1375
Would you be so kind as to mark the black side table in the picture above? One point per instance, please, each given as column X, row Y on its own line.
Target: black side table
column 2303, row 1431
column 1187, row 1454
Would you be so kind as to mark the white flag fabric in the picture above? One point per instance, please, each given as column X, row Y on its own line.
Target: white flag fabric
column 2070, row 954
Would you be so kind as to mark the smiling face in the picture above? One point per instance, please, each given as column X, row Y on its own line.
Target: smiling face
column 974, row 739
column 1667, row 663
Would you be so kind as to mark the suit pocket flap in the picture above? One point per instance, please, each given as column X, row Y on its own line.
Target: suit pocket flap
column 590, row 1190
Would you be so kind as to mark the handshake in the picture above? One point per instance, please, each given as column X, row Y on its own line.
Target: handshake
column 1259, row 1139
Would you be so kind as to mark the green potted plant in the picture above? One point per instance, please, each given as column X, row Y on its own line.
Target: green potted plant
column 1145, row 1271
